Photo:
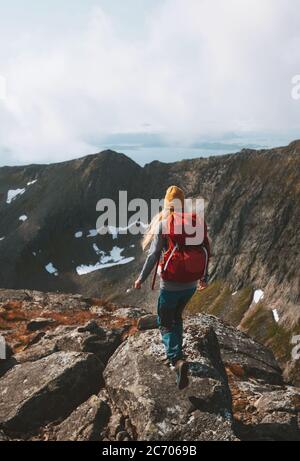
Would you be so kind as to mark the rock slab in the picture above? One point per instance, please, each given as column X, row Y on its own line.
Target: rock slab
column 143, row 389
column 35, row 393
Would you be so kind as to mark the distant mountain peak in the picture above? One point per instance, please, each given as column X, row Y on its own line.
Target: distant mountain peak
column 295, row 146
column 111, row 156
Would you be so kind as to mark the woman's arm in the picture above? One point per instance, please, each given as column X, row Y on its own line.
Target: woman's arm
column 153, row 256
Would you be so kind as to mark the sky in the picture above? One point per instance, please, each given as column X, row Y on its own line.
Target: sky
column 77, row 76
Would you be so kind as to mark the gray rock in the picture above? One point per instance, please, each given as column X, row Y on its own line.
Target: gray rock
column 147, row 322
column 49, row 302
column 88, row 338
column 43, row 348
column 278, row 426
column 129, row 312
column 86, row 422
column 116, row 424
column 39, row 324
column 285, row 400
column 292, row 372
column 265, row 412
column 237, row 348
column 144, row 390
column 92, row 327
column 35, row 339
column 33, row 394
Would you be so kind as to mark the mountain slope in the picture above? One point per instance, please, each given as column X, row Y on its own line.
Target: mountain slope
column 61, row 203
column 252, row 211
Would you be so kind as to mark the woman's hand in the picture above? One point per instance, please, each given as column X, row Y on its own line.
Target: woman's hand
column 137, row 284
column 202, row 285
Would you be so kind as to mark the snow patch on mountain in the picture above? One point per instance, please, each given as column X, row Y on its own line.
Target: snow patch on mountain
column 97, row 249
column 12, row 194
column 276, row 315
column 258, row 296
column 51, row 269
column 83, row 270
column 114, row 258
column 92, row 233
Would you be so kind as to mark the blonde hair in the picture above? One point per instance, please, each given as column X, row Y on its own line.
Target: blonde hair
column 153, row 227
column 174, row 198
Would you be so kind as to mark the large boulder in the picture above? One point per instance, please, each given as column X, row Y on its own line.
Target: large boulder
column 86, row 422
column 35, row 393
column 278, row 414
column 143, row 389
column 265, row 412
column 87, row 338
column 255, row 379
column 239, row 350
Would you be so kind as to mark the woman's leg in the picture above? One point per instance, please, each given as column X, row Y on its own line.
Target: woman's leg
column 170, row 307
column 185, row 297
column 167, row 304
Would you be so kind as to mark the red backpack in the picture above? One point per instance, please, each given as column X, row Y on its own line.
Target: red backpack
column 184, row 262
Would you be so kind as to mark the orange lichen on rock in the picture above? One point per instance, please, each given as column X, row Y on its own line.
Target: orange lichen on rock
column 236, row 370
column 15, row 316
column 132, row 330
column 242, row 401
column 13, row 305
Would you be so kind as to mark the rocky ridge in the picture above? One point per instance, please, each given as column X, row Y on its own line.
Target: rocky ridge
column 88, row 373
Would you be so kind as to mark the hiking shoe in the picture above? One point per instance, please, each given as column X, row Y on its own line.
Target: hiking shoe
column 181, row 370
column 148, row 322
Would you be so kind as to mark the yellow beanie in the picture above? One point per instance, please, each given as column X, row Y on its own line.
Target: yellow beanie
column 173, row 193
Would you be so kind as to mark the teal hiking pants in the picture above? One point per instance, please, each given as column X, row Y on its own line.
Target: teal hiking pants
column 170, row 308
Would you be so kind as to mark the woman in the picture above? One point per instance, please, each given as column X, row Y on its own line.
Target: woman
column 182, row 268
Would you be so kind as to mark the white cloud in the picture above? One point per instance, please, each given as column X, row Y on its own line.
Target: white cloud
column 200, row 66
